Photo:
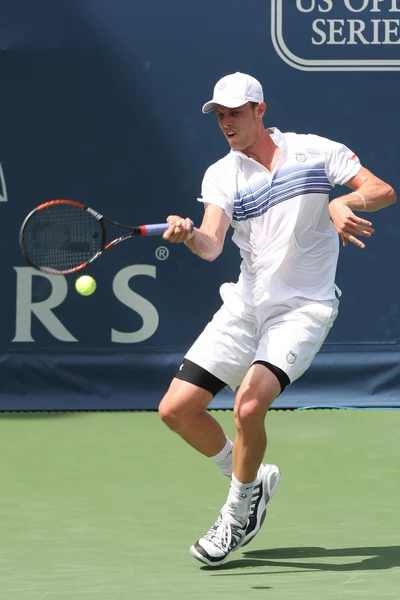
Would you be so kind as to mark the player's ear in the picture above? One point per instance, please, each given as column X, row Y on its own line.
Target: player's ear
column 261, row 108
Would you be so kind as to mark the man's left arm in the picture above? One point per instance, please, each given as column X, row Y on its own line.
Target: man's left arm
column 370, row 194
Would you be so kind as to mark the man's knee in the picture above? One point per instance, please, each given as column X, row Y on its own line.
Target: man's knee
column 249, row 411
column 182, row 404
column 171, row 411
column 252, row 403
column 165, row 410
column 259, row 389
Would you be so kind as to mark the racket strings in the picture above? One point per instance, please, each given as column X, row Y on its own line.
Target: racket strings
column 62, row 236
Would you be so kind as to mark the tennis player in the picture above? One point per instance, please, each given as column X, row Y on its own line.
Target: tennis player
column 273, row 188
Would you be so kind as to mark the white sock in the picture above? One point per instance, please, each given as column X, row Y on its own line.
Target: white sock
column 239, row 499
column 224, row 458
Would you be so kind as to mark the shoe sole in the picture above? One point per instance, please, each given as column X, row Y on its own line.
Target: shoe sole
column 204, row 560
column 261, row 517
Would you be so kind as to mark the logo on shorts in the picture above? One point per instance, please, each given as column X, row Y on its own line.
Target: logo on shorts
column 300, row 157
column 291, row 357
column 181, row 367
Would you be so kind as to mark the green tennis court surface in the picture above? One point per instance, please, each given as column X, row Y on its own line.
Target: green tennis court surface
column 106, row 505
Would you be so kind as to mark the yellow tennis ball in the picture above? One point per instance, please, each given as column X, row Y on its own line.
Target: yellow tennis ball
column 85, row 285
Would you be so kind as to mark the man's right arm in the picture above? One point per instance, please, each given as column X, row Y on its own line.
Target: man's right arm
column 208, row 240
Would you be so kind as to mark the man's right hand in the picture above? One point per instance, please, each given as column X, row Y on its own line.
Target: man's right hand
column 179, row 231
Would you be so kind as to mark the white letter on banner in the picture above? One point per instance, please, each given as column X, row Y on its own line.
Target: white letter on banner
column 137, row 303
column 321, row 33
column 356, row 28
column 329, row 7
column 336, row 30
column 42, row 310
column 389, row 30
column 375, row 5
column 375, row 28
column 3, row 189
column 350, row 7
column 395, row 6
column 299, row 6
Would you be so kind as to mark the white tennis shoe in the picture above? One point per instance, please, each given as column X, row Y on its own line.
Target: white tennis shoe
column 227, row 534
column 267, row 482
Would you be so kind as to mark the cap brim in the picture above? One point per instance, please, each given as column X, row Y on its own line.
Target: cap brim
column 228, row 102
column 208, row 107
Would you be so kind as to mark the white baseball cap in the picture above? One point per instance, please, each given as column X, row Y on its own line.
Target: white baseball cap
column 235, row 90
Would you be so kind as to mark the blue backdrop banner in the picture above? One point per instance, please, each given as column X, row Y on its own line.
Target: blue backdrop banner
column 101, row 103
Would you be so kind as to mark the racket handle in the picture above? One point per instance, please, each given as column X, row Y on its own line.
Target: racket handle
column 157, row 228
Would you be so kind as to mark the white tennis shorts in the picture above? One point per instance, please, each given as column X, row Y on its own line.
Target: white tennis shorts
column 287, row 334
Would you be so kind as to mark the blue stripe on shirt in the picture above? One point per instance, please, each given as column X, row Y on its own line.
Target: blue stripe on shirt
column 249, row 203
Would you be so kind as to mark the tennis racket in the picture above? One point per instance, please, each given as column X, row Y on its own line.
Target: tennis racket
column 63, row 236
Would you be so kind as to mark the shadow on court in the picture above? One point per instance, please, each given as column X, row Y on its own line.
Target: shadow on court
column 374, row 558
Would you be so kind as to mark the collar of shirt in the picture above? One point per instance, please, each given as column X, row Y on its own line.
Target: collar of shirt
column 278, row 139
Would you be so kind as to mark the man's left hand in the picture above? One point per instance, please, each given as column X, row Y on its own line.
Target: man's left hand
column 348, row 225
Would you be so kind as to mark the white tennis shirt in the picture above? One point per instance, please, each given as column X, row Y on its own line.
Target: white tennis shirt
column 288, row 244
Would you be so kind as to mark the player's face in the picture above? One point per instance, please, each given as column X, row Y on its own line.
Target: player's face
column 240, row 126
